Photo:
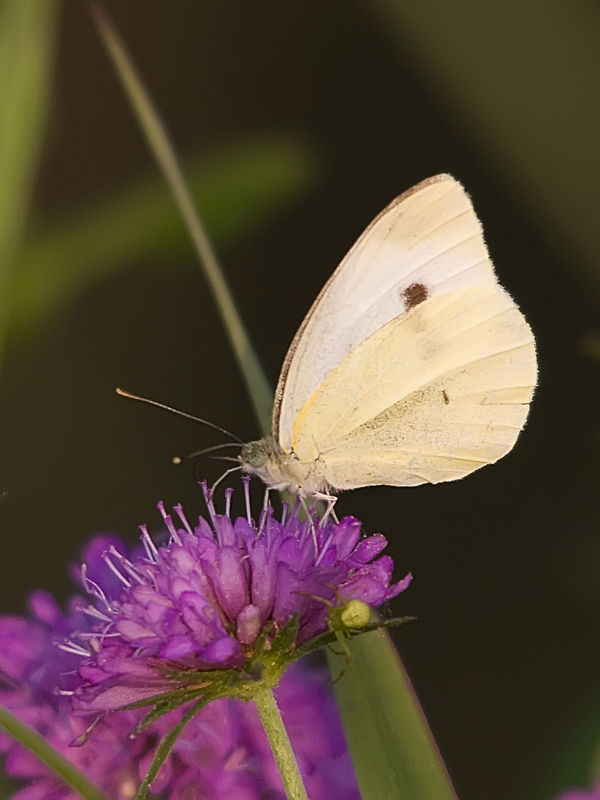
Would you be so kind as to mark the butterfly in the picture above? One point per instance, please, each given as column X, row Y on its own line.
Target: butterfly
column 412, row 366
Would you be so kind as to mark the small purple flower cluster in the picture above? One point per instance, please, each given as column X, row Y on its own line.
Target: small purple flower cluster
column 198, row 603
column 580, row 794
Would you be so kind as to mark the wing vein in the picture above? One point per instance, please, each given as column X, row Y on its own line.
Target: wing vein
column 431, row 231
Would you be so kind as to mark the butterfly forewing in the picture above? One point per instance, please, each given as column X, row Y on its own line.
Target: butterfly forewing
column 428, row 242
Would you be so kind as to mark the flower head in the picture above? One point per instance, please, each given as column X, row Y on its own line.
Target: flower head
column 217, row 594
column 222, row 753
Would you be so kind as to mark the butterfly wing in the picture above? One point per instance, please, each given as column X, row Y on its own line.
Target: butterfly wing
column 434, row 394
column 413, row 365
column 426, row 243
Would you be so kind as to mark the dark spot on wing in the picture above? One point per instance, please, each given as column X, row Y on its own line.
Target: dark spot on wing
column 414, row 294
column 446, row 398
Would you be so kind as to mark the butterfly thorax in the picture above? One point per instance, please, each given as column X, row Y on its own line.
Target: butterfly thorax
column 280, row 469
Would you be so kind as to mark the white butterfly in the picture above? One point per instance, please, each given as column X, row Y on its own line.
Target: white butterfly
column 413, row 364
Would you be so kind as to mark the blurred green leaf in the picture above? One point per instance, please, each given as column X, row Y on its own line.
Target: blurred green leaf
column 521, row 81
column 239, row 188
column 393, row 751
column 27, row 30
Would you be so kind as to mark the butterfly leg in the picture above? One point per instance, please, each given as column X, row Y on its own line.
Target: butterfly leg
column 224, row 475
column 311, row 521
column 263, row 514
column 331, row 500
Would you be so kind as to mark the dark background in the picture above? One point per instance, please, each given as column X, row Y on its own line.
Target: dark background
column 504, row 655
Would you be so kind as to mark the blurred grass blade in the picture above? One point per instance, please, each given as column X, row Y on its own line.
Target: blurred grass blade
column 27, row 30
column 520, row 79
column 39, row 747
column 393, row 751
column 240, row 186
column 256, row 382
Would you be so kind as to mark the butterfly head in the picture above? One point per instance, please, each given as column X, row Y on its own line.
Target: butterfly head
column 280, row 469
column 264, row 458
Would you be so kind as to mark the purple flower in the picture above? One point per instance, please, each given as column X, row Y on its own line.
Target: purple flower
column 201, row 602
column 222, row 753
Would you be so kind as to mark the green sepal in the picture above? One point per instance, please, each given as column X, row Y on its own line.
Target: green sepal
column 162, row 708
column 263, row 637
column 283, row 641
column 196, row 675
column 179, row 695
column 165, row 747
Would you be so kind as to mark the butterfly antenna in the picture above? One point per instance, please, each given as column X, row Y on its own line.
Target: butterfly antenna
column 200, row 453
column 212, row 425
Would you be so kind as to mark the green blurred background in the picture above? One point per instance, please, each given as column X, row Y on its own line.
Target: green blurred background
column 298, row 123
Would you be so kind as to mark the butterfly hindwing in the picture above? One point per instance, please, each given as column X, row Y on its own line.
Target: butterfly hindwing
column 434, row 394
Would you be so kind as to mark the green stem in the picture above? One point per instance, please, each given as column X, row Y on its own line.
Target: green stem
column 40, row 748
column 280, row 744
column 260, row 392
